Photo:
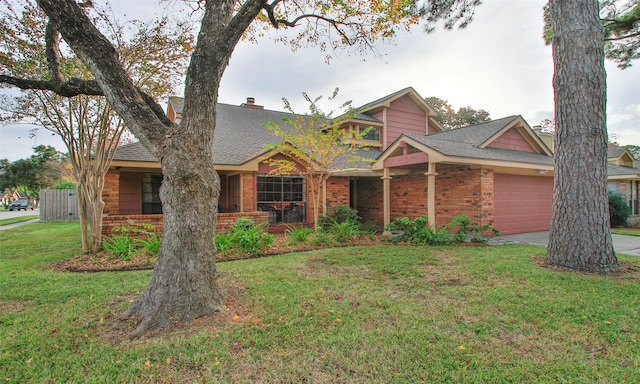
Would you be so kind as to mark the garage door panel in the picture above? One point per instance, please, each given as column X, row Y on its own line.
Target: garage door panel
column 522, row 203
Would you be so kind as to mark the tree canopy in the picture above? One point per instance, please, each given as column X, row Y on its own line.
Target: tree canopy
column 154, row 53
column 621, row 22
column 44, row 169
column 183, row 286
column 450, row 118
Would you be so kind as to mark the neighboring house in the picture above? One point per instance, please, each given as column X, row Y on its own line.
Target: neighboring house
column 9, row 196
column 622, row 175
column 498, row 173
column 624, row 178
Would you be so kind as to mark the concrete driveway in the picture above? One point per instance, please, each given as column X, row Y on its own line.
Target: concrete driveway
column 625, row 245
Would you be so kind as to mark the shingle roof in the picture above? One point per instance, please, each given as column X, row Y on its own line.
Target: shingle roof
column 384, row 98
column 618, row 170
column 615, row 153
column 465, row 142
column 239, row 136
column 177, row 103
column 475, row 134
column 134, row 152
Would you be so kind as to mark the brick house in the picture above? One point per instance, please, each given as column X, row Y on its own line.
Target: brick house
column 624, row 178
column 498, row 173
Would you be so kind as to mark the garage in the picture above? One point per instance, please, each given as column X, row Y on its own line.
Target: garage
column 522, row 203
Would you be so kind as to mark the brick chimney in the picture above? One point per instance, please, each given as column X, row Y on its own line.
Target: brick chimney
column 251, row 103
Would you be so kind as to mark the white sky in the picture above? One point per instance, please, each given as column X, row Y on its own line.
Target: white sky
column 499, row 63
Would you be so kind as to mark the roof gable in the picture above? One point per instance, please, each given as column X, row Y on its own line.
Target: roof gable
column 620, row 156
column 386, row 101
column 519, row 136
column 472, row 143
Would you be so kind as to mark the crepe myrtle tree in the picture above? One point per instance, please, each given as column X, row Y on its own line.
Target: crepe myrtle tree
column 319, row 143
column 154, row 53
column 183, row 286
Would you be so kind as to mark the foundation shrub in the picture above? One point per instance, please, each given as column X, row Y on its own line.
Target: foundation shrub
column 132, row 238
column 619, row 210
column 246, row 236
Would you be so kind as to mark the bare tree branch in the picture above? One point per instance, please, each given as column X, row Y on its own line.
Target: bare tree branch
column 52, row 41
column 70, row 88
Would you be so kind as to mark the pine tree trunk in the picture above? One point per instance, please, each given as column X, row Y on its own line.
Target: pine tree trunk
column 580, row 236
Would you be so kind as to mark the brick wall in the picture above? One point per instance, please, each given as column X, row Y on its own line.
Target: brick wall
column 111, row 192
column 459, row 190
column 464, row 190
column 111, row 221
column 409, row 195
column 369, row 199
column 249, row 188
column 225, row 220
column 338, row 192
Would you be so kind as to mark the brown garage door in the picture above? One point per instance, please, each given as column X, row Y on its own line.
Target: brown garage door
column 522, row 203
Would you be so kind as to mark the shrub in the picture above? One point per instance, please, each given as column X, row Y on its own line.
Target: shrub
column 120, row 245
column 343, row 214
column 416, row 231
column 322, row 238
column 340, row 214
column 619, row 211
column 151, row 244
column 345, row 231
column 245, row 235
column 297, row 234
column 65, row 185
column 465, row 228
column 222, row 241
column 131, row 238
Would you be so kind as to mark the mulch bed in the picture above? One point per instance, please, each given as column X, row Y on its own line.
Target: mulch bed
column 105, row 261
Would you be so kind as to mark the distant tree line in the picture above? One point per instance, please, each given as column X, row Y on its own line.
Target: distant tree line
column 46, row 168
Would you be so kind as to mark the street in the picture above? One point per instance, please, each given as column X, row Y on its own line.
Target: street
column 7, row 214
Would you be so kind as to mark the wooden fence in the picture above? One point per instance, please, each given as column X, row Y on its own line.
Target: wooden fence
column 58, row 205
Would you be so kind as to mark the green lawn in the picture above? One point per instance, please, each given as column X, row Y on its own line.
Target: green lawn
column 14, row 220
column 626, row 231
column 359, row 315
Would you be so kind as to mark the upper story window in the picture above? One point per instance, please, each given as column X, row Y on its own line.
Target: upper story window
column 372, row 133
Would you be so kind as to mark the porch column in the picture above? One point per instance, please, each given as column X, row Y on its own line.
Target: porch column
column 386, row 191
column 431, row 193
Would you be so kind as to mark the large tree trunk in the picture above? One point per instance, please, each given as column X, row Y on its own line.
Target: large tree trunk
column 580, row 237
column 183, row 286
